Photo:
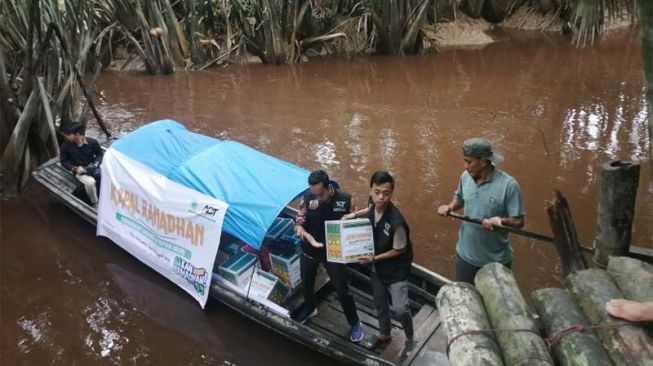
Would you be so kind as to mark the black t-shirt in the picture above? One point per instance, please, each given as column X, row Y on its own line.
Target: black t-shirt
column 317, row 213
column 73, row 155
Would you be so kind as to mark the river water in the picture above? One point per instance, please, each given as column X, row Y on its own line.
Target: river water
column 555, row 112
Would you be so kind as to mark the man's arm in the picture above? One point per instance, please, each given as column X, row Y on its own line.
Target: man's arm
column 455, row 205
column 514, row 208
column 97, row 150
column 399, row 245
column 301, row 233
column 64, row 159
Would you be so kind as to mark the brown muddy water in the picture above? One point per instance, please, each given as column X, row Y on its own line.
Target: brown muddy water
column 555, row 112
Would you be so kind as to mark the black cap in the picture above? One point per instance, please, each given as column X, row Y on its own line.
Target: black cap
column 72, row 127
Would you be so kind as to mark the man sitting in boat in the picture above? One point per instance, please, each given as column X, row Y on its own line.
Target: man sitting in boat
column 321, row 203
column 391, row 262
column 82, row 156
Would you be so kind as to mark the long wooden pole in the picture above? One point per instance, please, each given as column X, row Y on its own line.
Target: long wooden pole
column 513, row 230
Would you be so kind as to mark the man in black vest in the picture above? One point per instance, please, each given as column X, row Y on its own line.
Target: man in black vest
column 321, row 203
column 391, row 262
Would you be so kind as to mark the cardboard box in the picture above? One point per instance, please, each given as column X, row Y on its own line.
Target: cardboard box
column 278, row 227
column 239, row 268
column 287, row 268
column 267, row 287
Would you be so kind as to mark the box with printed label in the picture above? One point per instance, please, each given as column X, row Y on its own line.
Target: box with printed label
column 286, row 267
column 239, row 268
column 279, row 227
column 266, row 287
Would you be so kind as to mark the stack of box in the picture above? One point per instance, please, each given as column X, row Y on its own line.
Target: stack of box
column 279, row 227
column 239, row 268
column 286, row 267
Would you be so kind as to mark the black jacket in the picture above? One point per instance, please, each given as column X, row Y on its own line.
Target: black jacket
column 73, row 155
column 317, row 213
column 398, row 268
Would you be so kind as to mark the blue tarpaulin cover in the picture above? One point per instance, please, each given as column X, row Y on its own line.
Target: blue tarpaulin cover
column 255, row 185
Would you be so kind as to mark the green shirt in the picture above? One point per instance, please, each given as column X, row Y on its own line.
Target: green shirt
column 499, row 195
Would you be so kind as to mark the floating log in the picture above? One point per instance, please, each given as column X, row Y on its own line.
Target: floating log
column 559, row 312
column 633, row 277
column 619, row 180
column 519, row 337
column 565, row 237
column 462, row 312
column 626, row 344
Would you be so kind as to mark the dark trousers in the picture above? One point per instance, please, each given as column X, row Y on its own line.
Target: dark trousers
column 339, row 276
column 466, row 271
column 391, row 301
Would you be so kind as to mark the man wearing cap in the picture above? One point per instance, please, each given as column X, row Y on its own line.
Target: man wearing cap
column 488, row 193
column 82, row 156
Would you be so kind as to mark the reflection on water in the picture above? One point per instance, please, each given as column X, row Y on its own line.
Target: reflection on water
column 555, row 112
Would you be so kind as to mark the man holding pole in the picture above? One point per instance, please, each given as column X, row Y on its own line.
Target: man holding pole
column 490, row 194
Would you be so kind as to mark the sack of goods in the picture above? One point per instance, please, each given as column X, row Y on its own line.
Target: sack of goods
column 239, row 268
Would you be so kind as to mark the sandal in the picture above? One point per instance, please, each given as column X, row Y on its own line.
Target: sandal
column 375, row 342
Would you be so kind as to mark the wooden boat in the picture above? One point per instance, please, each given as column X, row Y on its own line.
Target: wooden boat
column 328, row 331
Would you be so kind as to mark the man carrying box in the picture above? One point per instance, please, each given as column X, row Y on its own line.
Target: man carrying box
column 391, row 263
column 321, row 203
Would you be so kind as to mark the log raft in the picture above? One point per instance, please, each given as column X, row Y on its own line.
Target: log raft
column 633, row 277
column 626, row 344
column 559, row 312
column 519, row 337
column 462, row 312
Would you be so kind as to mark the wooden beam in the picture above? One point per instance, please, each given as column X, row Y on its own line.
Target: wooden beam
column 565, row 237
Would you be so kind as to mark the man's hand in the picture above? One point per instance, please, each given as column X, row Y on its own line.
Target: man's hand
column 444, row 210
column 316, row 244
column 365, row 260
column 300, row 219
column 78, row 170
column 349, row 216
column 490, row 223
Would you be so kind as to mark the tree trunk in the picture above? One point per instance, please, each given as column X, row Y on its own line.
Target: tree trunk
column 633, row 277
column 626, row 344
column 616, row 210
column 507, row 309
column 646, row 27
column 558, row 311
column 461, row 310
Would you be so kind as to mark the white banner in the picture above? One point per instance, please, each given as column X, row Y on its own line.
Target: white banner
column 170, row 227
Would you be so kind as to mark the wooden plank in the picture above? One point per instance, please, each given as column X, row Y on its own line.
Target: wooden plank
column 65, row 178
column 393, row 352
column 641, row 253
column 334, row 321
column 423, row 334
column 437, row 342
column 565, row 236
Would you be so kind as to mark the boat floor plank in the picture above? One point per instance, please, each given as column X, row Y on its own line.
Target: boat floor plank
column 423, row 333
column 365, row 307
column 394, row 351
column 334, row 321
column 435, row 350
